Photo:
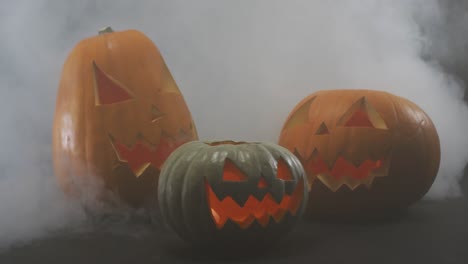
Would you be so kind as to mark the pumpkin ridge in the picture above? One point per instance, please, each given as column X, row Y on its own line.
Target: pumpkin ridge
column 186, row 220
column 165, row 198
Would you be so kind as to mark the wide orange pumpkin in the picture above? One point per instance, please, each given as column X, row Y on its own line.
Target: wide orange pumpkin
column 119, row 114
column 366, row 153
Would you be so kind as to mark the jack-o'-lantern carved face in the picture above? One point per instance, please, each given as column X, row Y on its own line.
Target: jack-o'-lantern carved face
column 151, row 144
column 119, row 114
column 244, row 199
column 351, row 149
column 247, row 188
column 357, row 140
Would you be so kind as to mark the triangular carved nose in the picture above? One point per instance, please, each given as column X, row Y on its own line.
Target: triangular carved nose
column 262, row 183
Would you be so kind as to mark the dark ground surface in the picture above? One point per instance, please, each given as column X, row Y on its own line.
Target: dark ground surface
column 430, row 232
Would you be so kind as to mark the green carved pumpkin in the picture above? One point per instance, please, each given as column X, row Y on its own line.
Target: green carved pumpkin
column 232, row 192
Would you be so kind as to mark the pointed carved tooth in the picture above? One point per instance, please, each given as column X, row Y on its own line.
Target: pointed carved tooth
column 315, row 158
column 138, row 156
column 352, row 183
column 219, row 220
column 138, row 172
column 331, row 163
column 356, row 162
column 278, row 213
column 329, row 182
column 245, row 222
column 263, row 219
column 369, row 181
column 310, row 180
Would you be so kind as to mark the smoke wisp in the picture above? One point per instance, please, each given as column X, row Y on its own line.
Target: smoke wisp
column 241, row 65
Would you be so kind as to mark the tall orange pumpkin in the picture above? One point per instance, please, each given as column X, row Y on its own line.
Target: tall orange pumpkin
column 119, row 114
column 366, row 152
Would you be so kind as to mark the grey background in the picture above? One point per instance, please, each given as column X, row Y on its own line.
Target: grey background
column 242, row 66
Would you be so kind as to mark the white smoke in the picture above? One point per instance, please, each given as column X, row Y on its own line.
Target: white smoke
column 242, row 66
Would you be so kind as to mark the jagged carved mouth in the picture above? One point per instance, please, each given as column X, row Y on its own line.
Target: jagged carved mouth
column 143, row 154
column 253, row 209
column 344, row 172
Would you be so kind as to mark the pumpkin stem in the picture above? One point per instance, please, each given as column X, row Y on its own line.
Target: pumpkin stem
column 105, row 30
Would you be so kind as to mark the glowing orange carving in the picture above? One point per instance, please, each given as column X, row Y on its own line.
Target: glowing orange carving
column 283, row 171
column 262, row 183
column 362, row 114
column 141, row 154
column 359, row 119
column 232, row 173
column 166, row 146
column 342, row 168
column 253, row 209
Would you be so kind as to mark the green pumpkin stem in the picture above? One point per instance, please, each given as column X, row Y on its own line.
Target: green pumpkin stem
column 105, row 30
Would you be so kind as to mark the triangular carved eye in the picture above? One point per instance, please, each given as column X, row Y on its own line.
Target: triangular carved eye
column 362, row 114
column 107, row 90
column 283, row 171
column 232, row 173
column 359, row 119
column 322, row 130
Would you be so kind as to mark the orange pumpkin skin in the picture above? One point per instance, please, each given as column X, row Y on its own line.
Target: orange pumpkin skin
column 119, row 114
column 366, row 153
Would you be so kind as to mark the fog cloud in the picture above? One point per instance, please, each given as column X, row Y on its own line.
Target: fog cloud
column 241, row 65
